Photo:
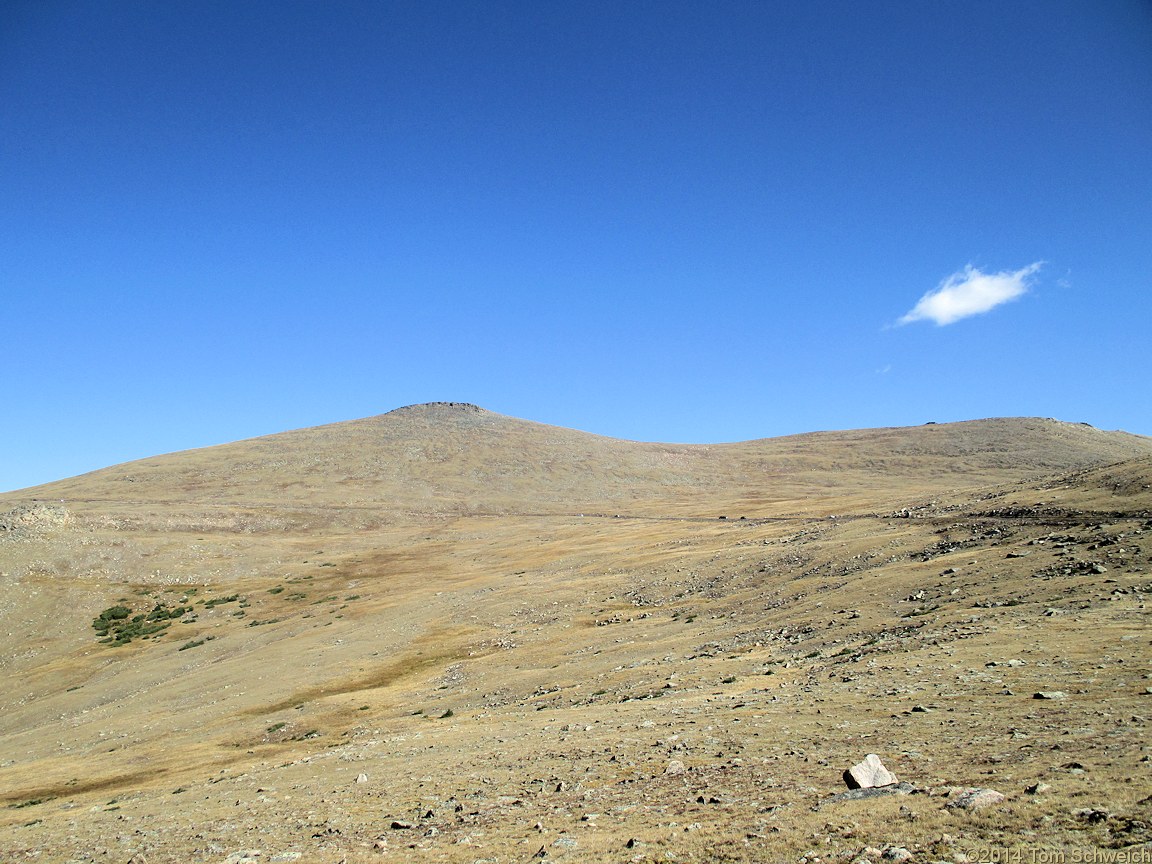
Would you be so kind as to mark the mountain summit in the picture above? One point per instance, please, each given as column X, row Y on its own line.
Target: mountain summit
column 458, row 457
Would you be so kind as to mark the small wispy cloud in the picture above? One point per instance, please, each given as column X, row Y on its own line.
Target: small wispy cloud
column 970, row 292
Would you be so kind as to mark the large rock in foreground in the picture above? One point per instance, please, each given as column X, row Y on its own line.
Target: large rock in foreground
column 869, row 774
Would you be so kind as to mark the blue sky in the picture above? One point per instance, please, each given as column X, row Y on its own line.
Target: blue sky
column 675, row 221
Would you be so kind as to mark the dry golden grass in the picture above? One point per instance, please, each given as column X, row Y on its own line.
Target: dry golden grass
column 516, row 632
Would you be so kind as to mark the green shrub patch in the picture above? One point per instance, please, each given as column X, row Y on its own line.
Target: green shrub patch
column 117, row 625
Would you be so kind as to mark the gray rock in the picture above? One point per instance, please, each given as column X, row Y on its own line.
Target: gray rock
column 975, row 799
column 871, row 792
column 1050, row 694
column 1091, row 814
column 869, row 774
column 675, row 766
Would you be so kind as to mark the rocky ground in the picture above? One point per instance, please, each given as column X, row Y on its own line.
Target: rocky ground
column 595, row 687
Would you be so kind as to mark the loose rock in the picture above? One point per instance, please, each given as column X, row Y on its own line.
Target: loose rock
column 975, row 799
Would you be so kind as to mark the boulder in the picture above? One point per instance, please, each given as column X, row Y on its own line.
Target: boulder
column 874, row 792
column 869, row 774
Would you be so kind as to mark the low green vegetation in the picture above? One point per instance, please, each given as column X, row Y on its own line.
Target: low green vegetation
column 31, row 802
column 195, row 643
column 118, row 625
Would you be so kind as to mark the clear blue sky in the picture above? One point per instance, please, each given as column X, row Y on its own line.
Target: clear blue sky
column 659, row 220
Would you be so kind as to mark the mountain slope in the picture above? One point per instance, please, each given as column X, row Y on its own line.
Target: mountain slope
column 525, row 638
column 453, row 457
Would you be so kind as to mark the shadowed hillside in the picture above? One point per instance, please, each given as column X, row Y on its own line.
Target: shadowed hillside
column 441, row 634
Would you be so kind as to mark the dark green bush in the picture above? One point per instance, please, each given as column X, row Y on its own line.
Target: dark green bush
column 114, row 626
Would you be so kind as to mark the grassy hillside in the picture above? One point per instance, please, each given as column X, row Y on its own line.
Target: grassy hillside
column 529, row 638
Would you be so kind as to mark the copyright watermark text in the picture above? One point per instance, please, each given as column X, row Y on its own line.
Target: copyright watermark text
column 1040, row 855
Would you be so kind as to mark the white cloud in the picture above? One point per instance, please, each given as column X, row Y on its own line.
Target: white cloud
column 970, row 292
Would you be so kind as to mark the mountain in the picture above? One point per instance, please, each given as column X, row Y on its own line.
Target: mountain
column 456, row 457
column 536, row 642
